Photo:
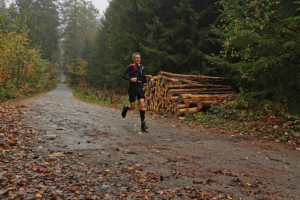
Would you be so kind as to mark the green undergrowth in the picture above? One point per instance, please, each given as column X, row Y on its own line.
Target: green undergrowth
column 251, row 117
column 265, row 118
column 103, row 96
column 15, row 96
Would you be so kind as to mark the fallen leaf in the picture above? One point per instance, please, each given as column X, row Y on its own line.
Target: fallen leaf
column 42, row 187
column 3, row 191
column 229, row 197
column 58, row 154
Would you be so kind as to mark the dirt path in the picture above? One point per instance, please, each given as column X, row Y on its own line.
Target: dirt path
column 169, row 158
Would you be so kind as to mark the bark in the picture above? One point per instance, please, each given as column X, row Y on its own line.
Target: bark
column 185, row 94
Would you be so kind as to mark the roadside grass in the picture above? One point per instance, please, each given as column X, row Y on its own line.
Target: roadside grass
column 7, row 95
column 265, row 119
column 103, row 97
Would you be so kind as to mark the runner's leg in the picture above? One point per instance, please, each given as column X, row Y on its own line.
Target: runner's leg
column 142, row 114
column 131, row 106
column 142, row 109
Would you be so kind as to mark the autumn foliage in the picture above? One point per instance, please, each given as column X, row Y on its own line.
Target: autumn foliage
column 77, row 71
column 22, row 70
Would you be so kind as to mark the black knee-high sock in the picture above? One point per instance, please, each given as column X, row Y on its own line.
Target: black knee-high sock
column 142, row 115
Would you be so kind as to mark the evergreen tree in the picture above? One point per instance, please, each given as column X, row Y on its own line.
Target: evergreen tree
column 177, row 37
column 42, row 20
column 117, row 39
column 97, row 69
column 79, row 27
column 123, row 36
column 260, row 41
column 2, row 7
column 171, row 35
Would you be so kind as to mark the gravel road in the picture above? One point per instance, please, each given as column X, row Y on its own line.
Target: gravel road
column 236, row 166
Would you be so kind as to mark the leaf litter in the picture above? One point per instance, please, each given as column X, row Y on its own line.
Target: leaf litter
column 27, row 174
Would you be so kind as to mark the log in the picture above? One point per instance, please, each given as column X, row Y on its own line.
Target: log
column 154, row 78
column 199, row 106
column 190, row 103
column 176, row 93
column 181, row 112
column 199, row 90
column 207, row 104
column 190, row 111
column 196, row 85
column 163, row 92
column 181, row 106
column 184, row 96
column 181, row 97
column 162, row 73
column 166, row 80
column 173, row 98
column 202, row 104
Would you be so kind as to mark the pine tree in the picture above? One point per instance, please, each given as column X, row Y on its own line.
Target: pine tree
column 42, row 20
column 177, row 39
column 260, row 45
column 170, row 35
column 117, row 39
column 79, row 28
column 97, row 69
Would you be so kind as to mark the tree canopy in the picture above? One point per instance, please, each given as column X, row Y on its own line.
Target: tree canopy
column 260, row 47
column 254, row 43
column 41, row 18
column 172, row 35
column 25, row 63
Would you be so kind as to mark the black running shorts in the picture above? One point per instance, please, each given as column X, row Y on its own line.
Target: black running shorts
column 135, row 92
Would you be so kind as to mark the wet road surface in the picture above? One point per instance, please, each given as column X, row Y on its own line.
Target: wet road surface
column 182, row 156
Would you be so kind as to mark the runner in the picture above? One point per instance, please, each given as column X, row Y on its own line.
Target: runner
column 135, row 74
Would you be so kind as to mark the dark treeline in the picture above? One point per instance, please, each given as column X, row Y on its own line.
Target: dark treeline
column 171, row 35
column 253, row 43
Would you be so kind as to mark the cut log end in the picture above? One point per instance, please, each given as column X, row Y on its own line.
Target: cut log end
column 184, row 95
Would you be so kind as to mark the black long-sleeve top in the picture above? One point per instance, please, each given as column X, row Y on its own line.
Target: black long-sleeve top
column 135, row 71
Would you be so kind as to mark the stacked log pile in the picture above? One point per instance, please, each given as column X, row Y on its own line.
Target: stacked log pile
column 185, row 94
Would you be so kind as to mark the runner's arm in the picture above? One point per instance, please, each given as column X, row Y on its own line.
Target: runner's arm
column 125, row 74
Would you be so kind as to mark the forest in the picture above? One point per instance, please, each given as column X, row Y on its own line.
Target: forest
column 254, row 44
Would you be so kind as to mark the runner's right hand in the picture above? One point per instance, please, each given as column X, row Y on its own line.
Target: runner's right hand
column 133, row 79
